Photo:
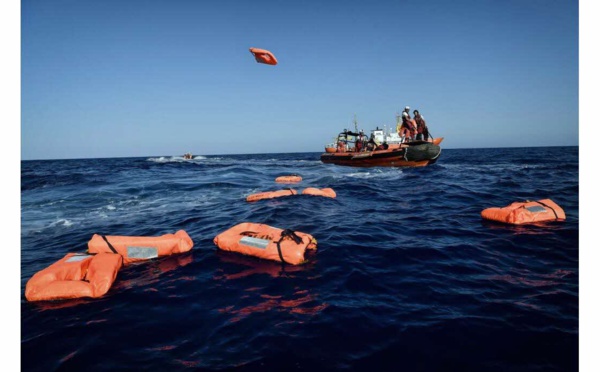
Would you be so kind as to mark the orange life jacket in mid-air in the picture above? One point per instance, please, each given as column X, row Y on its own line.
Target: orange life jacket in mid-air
column 263, row 56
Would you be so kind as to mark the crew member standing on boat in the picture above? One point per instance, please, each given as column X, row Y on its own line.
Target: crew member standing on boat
column 412, row 124
column 359, row 141
column 422, row 131
column 407, row 128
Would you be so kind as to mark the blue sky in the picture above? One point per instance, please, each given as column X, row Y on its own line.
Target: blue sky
column 148, row 78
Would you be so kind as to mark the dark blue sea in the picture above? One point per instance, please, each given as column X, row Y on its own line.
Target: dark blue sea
column 407, row 276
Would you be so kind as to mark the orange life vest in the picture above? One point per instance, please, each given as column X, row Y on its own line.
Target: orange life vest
column 288, row 179
column 519, row 213
column 270, row 195
column 74, row 276
column 327, row 192
column 263, row 241
column 263, row 56
column 139, row 248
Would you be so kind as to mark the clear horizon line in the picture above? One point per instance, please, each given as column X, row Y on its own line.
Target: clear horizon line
column 268, row 153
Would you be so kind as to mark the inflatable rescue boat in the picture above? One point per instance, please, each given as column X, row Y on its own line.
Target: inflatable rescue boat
column 382, row 148
column 412, row 154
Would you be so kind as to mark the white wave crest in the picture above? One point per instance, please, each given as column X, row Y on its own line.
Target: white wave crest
column 393, row 174
column 175, row 159
column 61, row 222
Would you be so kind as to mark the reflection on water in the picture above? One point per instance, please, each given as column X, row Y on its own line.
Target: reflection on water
column 248, row 266
column 300, row 302
column 238, row 267
column 148, row 273
column 537, row 228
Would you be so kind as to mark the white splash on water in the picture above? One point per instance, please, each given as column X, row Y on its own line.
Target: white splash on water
column 176, row 159
column 61, row 222
column 387, row 174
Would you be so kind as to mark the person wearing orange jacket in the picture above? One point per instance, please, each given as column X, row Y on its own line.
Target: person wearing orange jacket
column 408, row 128
column 422, row 130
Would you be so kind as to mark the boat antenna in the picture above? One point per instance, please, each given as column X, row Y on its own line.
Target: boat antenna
column 355, row 124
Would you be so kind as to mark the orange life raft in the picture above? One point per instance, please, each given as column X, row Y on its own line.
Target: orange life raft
column 270, row 195
column 519, row 213
column 73, row 276
column 263, row 56
column 288, row 179
column 138, row 248
column 266, row 242
column 327, row 192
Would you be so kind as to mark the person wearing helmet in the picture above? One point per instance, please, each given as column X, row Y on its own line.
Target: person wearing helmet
column 422, row 131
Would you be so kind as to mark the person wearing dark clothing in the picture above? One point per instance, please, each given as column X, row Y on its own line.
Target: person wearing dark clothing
column 358, row 145
column 371, row 145
column 422, row 131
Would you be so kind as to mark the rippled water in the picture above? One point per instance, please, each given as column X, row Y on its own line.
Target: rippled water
column 407, row 275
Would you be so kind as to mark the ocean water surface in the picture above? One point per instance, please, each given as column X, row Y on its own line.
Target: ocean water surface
column 407, row 276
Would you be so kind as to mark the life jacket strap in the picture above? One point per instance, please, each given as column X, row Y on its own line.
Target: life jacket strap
column 109, row 245
column 547, row 206
column 287, row 233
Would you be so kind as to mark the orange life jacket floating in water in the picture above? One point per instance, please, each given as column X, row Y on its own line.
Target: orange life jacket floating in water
column 326, row 192
column 263, row 241
column 288, row 179
column 270, row 195
column 263, row 56
column 139, row 248
column 74, row 276
column 519, row 213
